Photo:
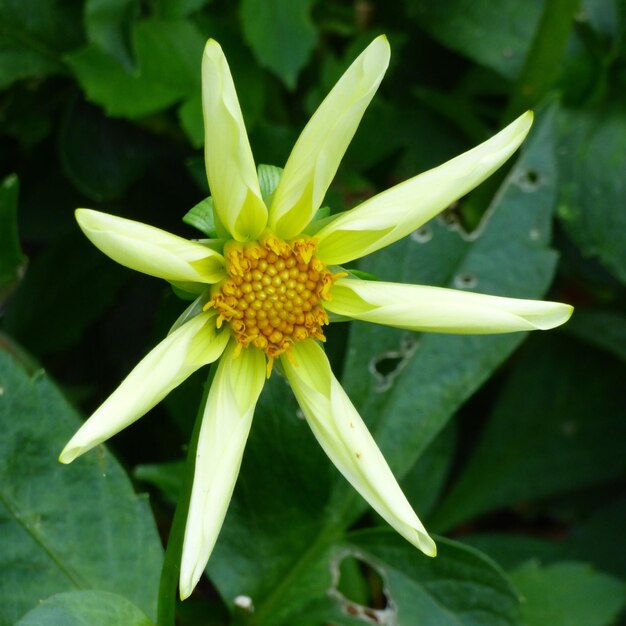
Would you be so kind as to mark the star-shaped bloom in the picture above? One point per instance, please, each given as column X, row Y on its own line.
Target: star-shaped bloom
column 267, row 285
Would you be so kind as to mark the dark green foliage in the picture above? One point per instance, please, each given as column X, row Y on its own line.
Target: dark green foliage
column 514, row 454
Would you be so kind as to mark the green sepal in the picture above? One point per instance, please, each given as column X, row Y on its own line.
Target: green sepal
column 187, row 291
column 334, row 318
column 269, row 177
column 195, row 308
column 322, row 213
column 320, row 219
column 216, row 245
column 202, row 217
column 363, row 275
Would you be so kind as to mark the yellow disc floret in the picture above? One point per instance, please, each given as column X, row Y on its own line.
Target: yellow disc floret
column 273, row 295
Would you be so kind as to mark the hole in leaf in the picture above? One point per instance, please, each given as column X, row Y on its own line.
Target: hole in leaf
column 451, row 219
column 422, row 235
column 465, row 281
column 361, row 589
column 387, row 363
column 528, row 180
column 387, row 366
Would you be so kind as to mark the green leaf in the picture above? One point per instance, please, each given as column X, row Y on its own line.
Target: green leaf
column 109, row 25
column 381, row 120
column 85, row 608
column 33, row 35
column 174, row 9
column 12, row 260
column 545, row 56
column 48, row 319
column 191, row 121
column 566, row 434
column 593, row 189
column 64, row 528
column 568, row 594
column 168, row 59
column 435, row 462
column 460, row 587
column 202, row 217
column 496, row 39
column 592, row 539
column 604, row 17
column 407, row 405
column 167, row 477
column 17, row 62
column 281, row 35
column 28, row 113
column 101, row 156
column 586, row 322
column 511, row 550
column 595, row 539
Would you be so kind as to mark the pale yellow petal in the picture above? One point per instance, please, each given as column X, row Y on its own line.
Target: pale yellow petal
column 346, row 440
column 316, row 156
column 435, row 309
column 151, row 250
column 394, row 213
column 191, row 346
column 225, row 427
column 229, row 163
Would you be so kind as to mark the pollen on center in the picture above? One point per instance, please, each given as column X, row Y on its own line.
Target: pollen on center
column 273, row 295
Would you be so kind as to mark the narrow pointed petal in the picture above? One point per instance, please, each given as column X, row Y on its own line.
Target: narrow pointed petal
column 435, row 309
column 223, row 434
column 151, row 250
column 394, row 213
column 228, row 157
column 347, row 442
column 315, row 157
column 179, row 355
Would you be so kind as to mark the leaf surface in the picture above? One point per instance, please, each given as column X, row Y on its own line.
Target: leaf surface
column 555, row 427
column 64, row 528
column 281, row 34
column 85, row 608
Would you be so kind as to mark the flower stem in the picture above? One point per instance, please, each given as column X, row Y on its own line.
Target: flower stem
column 168, row 586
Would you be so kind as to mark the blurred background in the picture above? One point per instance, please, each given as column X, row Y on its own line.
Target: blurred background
column 516, row 450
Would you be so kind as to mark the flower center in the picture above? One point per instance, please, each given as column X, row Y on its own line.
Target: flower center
column 273, row 295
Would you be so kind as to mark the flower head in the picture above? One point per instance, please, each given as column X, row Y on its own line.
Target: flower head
column 267, row 285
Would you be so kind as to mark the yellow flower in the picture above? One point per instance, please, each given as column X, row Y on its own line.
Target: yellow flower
column 266, row 290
